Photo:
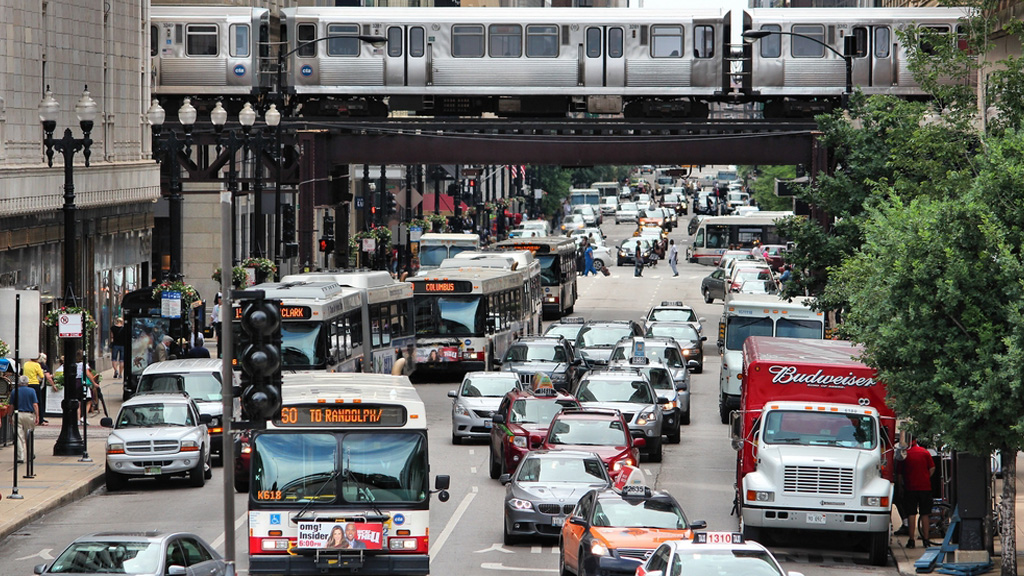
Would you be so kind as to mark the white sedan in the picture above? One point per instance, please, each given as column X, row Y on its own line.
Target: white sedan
column 720, row 553
column 627, row 212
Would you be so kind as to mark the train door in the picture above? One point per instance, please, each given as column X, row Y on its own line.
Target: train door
column 871, row 48
column 604, row 64
column 882, row 58
column 406, row 56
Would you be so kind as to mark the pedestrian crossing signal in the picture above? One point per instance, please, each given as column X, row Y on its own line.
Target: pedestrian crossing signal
column 326, row 244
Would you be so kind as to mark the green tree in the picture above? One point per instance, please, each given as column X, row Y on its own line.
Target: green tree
column 761, row 185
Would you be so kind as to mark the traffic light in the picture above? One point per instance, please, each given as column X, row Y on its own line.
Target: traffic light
column 392, row 206
column 288, row 223
column 326, row 245
column 339, row 186
column 473, row 193
column 260, row 357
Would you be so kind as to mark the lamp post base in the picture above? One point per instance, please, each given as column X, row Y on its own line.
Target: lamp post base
column 69, row 443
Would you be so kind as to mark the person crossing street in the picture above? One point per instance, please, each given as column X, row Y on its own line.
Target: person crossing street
column 673, row 256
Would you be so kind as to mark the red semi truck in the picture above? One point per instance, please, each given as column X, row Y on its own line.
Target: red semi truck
column 814, row 442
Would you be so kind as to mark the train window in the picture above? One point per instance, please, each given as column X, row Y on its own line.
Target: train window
column 542, row 41
column 593, row 42
column 347, row 44
column 882, row 41
column 932, row 37
column 771, row 45
column 813, row 46
column 506, row 40
column 467, row 41
column 704, row 41
column 154, row 40
column 394, row 41
column 615, row 42
column 239, row 40
column 416, row 41
column 860, row 42
column 666, row 41
column 306, row 33
column 201, row 40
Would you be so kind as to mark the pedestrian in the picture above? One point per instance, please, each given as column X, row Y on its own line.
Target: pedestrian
column 581, row 264
column 84, row 382
column 215, row 322
column 117, row 346
column 918, row 468
column 588, row 259
column 37, row 380
column 787, row 273
column 28, row 415
column 638, row 260
column 673, row 256
column 199, row 350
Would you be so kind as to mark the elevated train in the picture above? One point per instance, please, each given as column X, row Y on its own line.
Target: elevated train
column 534, row 62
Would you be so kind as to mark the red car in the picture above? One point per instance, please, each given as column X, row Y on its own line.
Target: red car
column 601, row 431
column 521, row 423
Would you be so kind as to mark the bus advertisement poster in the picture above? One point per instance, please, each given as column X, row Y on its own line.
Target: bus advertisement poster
column 340, row 535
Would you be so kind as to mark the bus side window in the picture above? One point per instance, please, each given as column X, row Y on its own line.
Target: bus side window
column 698, row 240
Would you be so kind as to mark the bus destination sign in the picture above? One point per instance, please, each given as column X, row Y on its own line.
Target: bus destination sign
column 442, row 286
column 341, row 416
column 287, row 312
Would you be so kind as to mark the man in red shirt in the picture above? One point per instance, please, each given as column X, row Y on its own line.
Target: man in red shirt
column 918, row 468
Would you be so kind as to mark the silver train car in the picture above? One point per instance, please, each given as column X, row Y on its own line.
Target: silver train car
column 506, row 61
column 533, row 62
column 794, row 76
column 209, row 52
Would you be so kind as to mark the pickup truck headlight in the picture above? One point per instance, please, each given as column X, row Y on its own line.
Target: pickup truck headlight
column 189, row 446
column 875, row 501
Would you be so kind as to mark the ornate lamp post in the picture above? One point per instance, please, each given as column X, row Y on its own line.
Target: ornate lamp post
column 165, row 150
column 69, row 443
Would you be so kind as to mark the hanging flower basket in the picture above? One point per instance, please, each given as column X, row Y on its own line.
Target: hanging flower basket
column 4, row 349
column 438, row 222
column 382, row 234
column 420, row 223
column 239, row 277
column 54, row 315
column 264, row 266
column 188, row 293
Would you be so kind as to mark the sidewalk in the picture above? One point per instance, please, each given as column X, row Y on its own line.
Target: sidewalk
column 59, row 480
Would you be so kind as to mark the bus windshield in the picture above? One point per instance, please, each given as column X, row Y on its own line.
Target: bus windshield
column 305, row 467
column 550, row 275
column 431, row 256
column 739, row 329
column 449, row 316
column 302, row 344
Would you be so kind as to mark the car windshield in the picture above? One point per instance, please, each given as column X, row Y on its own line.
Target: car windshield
column 746, row 562
column 599, row 390
column 638, row 514
column 154, row 415
column 488, row 387
column 535, row 352
column 602, row 336
column 201, row 386
column 588, row 432
column 672, row 315
column 629, row 244
column 820, row 429
column 109, row 558
column 681, row 332
column 628, row 207
column 534, row 411
column 563, row 471
column 569, row 331
column 660, row 378
column 667, row 355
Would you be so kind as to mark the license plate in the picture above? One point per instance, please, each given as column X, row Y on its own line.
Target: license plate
column 488, row 424
column 151, row 470
column 558, row 520
column 815, row 518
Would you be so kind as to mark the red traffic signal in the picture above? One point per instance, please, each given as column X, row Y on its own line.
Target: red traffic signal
column 326, row 244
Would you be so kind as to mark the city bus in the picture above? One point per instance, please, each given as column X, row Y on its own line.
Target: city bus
column 716, row 234
column 533, row 292
column 435, row 247
column 468, row 317
column 339, row 480
column 745, row 315
column 557, row 256
column 388, row 312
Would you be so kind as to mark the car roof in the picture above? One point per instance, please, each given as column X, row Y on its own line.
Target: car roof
column 184, row 365
column 538, row 339
column 527, row 394
column 690, row 546
column 671, row 305
column 130, row 536
column 660, row 495
column 485, row 374
column 601, row 375
column 181, row 398
column 560, row 453
column 584, row 413
column 609, row 323
column 663, row 340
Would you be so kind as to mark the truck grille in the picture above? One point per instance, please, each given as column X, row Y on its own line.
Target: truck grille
column 818, row 480
column 151, row 447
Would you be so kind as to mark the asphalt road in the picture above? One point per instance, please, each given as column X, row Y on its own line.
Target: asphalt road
column 466, row 531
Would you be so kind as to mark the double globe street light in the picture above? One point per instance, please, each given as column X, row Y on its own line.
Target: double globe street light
column 847, row 58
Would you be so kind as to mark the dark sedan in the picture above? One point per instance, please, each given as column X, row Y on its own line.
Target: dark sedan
column 713, row 285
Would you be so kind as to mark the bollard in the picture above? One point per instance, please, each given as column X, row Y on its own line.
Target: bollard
column 30, row 454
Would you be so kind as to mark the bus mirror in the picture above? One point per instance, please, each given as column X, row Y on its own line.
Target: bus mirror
column 442, row 482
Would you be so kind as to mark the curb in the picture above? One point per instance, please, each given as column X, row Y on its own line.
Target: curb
column 77, row 493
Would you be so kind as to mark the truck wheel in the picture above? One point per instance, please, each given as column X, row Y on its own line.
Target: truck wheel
column 655, row 454
column 197, row 476
column 114, row 480
column 878, row 548
column 723, row 410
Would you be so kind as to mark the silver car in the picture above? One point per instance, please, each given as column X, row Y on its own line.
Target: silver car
column 627, row 212
column 140, row 553
column 676, row 412
column 476, row 400
column 158, row 435
column 545, row 488
column 634, row 397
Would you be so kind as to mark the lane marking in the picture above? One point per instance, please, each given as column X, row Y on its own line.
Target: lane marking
column 435, row 549
column 472, row 469
column 500, row 566
column 534, row 549
column 220, row 539
column 44, row 554
column 497, row 547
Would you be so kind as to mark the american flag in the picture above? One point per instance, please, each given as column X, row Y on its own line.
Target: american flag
column 517, row 171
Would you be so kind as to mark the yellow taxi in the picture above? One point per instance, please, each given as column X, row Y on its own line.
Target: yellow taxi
column 612, row 531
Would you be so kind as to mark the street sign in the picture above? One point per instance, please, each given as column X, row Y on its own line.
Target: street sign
column 414, row 233
column 359, row 202
column 170, row 304
column 70, row 325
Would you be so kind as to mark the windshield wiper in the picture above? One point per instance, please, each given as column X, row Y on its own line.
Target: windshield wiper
column 349, row 476
column 316, row 495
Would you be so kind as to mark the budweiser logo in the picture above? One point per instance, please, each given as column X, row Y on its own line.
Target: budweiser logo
column 791, row 375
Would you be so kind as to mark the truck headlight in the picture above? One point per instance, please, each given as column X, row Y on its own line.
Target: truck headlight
column 875, row 501
column 760, row 496
column 669, row 405
column 519, row 441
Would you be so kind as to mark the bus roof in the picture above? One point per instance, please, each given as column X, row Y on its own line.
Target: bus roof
column 544, row 245
column 748, row 301
column 315, row 387
column 483, row 279
column 287, row 289
column 378, row 284
column 447, row 237
column 760, row 217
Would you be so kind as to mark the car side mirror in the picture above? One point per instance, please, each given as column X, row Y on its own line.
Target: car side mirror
column 703, row 338
column 496, row 361
column 176, row 570
column 639, row 442
column 698, row 525
column 505, row 479
column 577, row 521
column 104, row 423
column 205, row 418
column 498, row 418
column 577, row 362
column 663, row 400
column 692, row 364
column 453, row 394
column 39, row 568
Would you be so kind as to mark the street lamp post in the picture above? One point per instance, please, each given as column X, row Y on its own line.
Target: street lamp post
column 165, row 150
column 847, row 59
column 69, row 442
